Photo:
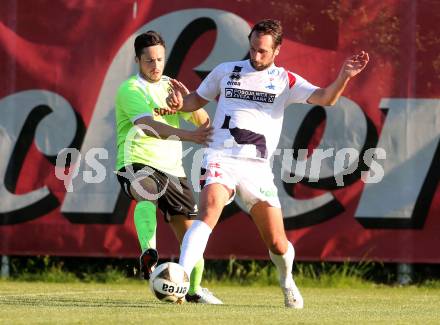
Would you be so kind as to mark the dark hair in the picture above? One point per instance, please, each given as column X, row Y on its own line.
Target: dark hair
column 147, row 39
column 269, row 27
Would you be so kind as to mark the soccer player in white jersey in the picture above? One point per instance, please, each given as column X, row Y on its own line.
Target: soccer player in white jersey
column 252, row 97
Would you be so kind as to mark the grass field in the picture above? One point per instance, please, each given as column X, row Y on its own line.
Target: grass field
column 132, row 303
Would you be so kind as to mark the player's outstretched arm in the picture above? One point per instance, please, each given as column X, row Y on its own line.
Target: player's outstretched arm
column 181, row 99
column 159, row 130
column 329, row 96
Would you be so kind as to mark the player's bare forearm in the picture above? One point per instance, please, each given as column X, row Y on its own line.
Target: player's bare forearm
column 192, row 102
column 152, row 128
column 160, row 130
column 329, row 96
column 352, row 66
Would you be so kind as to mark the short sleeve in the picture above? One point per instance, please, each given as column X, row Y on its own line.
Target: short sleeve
column 209, row 89
column 299, row 89
column 135, row 103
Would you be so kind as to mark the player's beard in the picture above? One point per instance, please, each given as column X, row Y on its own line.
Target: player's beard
column 260, row 67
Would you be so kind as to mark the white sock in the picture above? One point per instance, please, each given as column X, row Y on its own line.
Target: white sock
column 194, row 245
column 284, row 265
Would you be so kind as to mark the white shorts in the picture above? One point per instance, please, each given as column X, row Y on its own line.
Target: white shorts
column 252, row 179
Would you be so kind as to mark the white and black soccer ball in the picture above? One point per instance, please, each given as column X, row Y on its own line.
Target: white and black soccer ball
column 169, row 282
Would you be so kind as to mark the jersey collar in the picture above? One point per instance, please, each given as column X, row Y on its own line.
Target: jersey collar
column 141, row 80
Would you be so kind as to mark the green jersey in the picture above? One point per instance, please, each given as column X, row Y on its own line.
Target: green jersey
column 138, row 98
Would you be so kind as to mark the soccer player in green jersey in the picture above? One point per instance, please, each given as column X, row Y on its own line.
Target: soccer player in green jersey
column 149, row 156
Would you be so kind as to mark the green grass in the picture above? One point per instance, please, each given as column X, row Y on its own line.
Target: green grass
column 132, row 303
column 244, row 272
column 328, row 275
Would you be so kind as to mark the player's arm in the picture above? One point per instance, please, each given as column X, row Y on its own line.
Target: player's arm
column 160, row 130
column 139, row 109
column 329, row 95
column 185, row 103
column 192, row 102
column 180, row 99
column 197, row 117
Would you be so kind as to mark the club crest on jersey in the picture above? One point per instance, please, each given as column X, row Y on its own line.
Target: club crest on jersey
column 235, row 76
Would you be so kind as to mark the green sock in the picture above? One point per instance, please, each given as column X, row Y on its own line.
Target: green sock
column 146, row 223
column 196, row 277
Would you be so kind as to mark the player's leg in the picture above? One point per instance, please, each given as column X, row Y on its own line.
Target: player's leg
column 260, row 196
column 144, row 188
column 269, row 222
column 180, row 224
column 212, row 200
column 145, row 223
column 179, row 207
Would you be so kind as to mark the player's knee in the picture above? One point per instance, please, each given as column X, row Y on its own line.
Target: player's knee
column 213, row 202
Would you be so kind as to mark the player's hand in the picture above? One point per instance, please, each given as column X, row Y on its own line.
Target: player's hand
column 354, row 64
column 174, row 99
column 177, row 85
column 202, row 135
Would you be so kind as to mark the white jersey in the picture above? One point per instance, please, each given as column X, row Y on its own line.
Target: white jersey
column 251, row 104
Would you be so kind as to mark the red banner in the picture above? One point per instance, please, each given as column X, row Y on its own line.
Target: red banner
column 368, row 189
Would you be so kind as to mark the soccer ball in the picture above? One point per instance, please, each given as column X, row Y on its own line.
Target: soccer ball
column 169, row 282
